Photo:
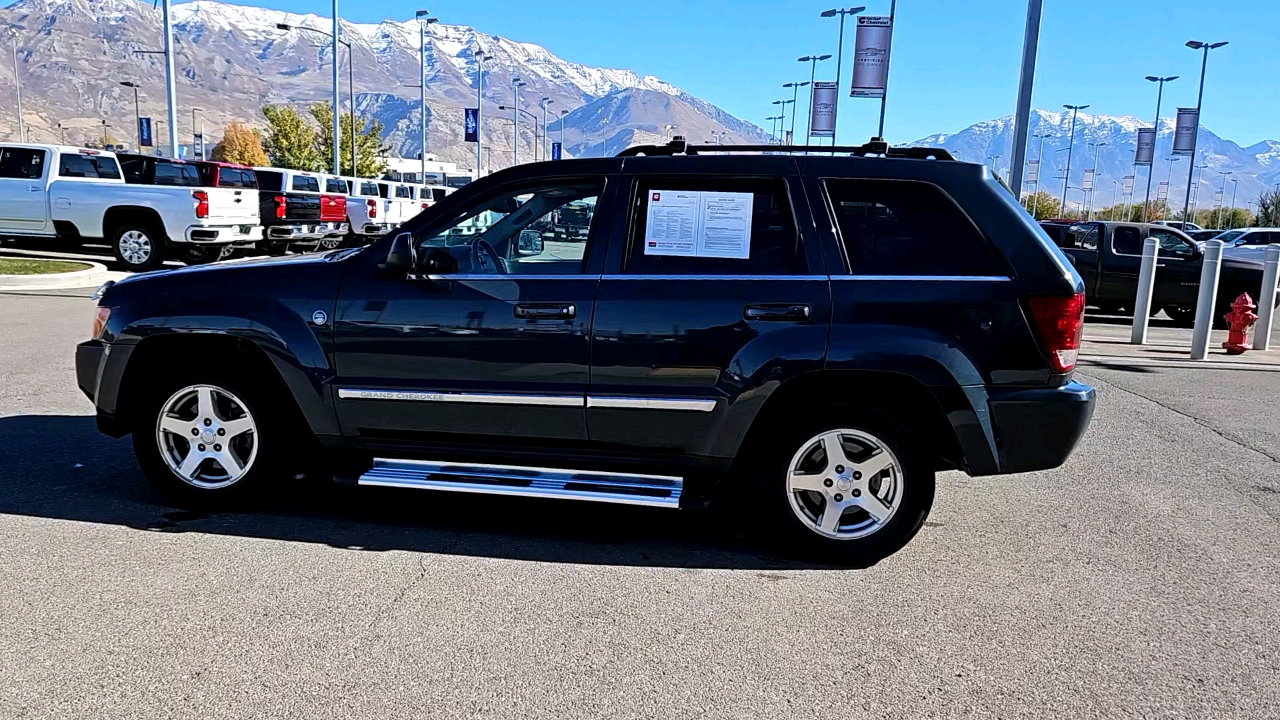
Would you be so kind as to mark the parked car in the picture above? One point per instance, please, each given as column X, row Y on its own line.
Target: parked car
column 810, row 336
column 290, row 203
column 1201, row 235
column 1250, row 240
column 366, row 209
column 1108, row 256
column 402, row 203
column 1178, row 225
column 59, row 191
column 333, row 211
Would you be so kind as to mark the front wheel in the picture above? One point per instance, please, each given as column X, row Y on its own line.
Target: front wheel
column 138, row 248
column 1183, row 316
column 848, row 485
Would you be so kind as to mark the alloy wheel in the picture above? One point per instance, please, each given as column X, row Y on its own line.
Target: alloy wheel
column 207, row 437
column 135, row 247
column 844, row 484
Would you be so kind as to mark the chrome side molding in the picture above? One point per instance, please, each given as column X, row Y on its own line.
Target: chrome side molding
column 647, row 403
column 516, row 480
column 590, row 401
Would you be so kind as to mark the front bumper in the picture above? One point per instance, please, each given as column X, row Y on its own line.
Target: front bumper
column 1037, row 429
column 99, row 368
column 222, row 235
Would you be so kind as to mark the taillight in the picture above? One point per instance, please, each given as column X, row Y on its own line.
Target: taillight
column 424, row 206
column 1059, row 321
column 373, row 208
column 280, row 207
column 202, row 203
column 100, row 322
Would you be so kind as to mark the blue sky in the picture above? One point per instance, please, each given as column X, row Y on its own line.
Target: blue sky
column 954, row 62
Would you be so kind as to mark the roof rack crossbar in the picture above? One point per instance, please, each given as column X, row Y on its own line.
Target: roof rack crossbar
column 875, row 147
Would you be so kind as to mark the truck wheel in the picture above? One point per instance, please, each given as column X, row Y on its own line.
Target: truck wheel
column 332, row 243
column 193, row 254
column 208, row 441
column 137, row 248
column 1183, row 316
column 846, row 485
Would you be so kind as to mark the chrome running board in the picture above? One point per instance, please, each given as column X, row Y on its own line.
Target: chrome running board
column 624, row 488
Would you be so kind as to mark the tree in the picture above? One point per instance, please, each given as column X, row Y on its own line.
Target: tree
column 1042, row 205
column 291, row 140
column 1269, row 209
column 370, row 150
column 240, row 145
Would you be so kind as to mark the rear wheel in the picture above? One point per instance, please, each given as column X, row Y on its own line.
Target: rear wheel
column 137, row 248
column 1183, row 316
column 206, row 441
column 847, row 485
column 193, row 254
column 332, row 243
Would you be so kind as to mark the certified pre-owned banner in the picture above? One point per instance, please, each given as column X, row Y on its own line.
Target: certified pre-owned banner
column 1146, row 147
column 822, row 115
column 1184, row 131
column 871, row 56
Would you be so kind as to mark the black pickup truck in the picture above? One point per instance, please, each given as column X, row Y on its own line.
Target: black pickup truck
column 289, row 203
column 1108, row 257
column 806, row 337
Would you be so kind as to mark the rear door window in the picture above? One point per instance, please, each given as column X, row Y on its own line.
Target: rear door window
column 899, row 228
column 1082, row 236
column 1126, row 241
column 305, row 183
column 174, row 174
column 747, row 228
column 21, row 163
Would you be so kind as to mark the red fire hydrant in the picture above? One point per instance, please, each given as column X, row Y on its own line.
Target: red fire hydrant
column 1239, row 320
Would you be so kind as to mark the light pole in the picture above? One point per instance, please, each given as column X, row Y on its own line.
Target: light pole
column 546, row 150
column 1195, row 196
column 1097, row 147
column 480, row 57
column 1075, row 110
column 516, row 84
column 773, row 128
column 351, row 80
column 1204, row 63
column 137, row 111
column 1168, row 183
column 563, row 115
column 783, row 113
column 104, row 134
column 63, row 132
column 1224, row 175
column 669, row 127
column 795, row 95
column 1115, row 188
column 1035, row 192
column 813, row 61
column 1026, row 83
column 839, row 57
column 1159, row 98
column 1231, row 219
column 171, row 88
column 995, row 163
column 337, row 33
column 17, row 85
column 422, row 16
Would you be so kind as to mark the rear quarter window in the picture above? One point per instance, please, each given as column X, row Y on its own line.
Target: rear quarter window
column 88, row 166
column 334, row 185
column 269, row 181
column 904, row 227
column 304, row 183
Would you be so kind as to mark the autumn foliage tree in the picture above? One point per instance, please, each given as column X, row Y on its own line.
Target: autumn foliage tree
column 240, row 144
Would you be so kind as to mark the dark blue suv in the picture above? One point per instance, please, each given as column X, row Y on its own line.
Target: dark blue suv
column 816, row 333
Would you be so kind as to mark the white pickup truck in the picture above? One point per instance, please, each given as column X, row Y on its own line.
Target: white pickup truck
column 57, row 191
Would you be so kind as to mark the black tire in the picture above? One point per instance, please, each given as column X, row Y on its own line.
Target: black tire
column 1108, row 307
column 275, row 249
column 784, row 525
column 271, row 438
column 194, row 254
column 1183, row 316
column 138, row 248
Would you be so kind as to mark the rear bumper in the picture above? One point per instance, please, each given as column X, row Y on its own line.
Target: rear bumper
column 1037, row 429
column 223, row 234
column 335, row 229
column 372, row 229
column 297, row 231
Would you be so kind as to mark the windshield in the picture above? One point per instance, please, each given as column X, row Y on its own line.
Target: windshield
column 1228, row 237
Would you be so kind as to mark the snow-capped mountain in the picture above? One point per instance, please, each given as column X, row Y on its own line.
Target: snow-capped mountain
column 1113, row 140
column 232, row 59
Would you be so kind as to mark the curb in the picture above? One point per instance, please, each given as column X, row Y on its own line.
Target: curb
column 95, row 275
column 1122, row 361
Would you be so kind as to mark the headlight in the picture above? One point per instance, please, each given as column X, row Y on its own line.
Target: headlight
column 100, row 322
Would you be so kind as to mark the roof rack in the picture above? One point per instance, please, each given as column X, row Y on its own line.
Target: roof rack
column 876, row 147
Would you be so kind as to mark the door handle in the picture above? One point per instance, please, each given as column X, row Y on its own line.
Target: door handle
column 552, row 311
column 33, row 188
column 777, row 312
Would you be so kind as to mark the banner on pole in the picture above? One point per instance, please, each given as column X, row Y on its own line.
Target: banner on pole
column 1162, row 192
column 197, row 145
column 1087, row 183
column 1033, row 171
column 1146, row 154
column 871, row 56
column 144, row 132
column 1128, row 184
column 1184, row 131
column 822, row 112
column 555, row 151
column 1217, row 200
column 471, row 125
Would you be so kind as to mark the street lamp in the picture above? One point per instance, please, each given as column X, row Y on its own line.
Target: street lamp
column 351, row 82
column 563, row 114
column 137, row 111
column 1231, row 219
column 1075, row 110
column 1097, row 147
column 839, row 56
column 1168, row 183
column 813, row 61
column 795, row 94
column 424, row 20
column 784, row 104
column 17, row 85
column 546, row 152
column 1159, row 98
column 1224, row 174
column 669, row 127
column 104, row 133
column 1035, row 192
column 194, row 110
column 480, row 57
column 1204, row 63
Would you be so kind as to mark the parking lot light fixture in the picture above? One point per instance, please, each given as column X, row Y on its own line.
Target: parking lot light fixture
column 839, row 54
column 1204, row 64
column 1071, row 143
column 795, row 94
column 813, row 61
column 137, row 111
column 17, row 84
column 1159, row 98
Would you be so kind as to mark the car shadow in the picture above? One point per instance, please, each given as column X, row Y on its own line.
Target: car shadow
column 66, row 470
column 1093, row 316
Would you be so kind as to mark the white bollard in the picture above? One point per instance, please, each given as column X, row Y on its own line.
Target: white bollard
column 1209, row 273
column 1146, row 286
column 1267, row 299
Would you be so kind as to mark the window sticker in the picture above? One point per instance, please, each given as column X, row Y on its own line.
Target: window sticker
column 689, row 223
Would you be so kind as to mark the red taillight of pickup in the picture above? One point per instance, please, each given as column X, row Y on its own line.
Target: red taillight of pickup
column 202, row 203
column 333, row 208
column 282, row 207
column 373, row 208
column 1059, row 323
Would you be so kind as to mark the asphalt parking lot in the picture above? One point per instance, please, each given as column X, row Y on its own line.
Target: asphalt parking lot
column 1140, row 580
